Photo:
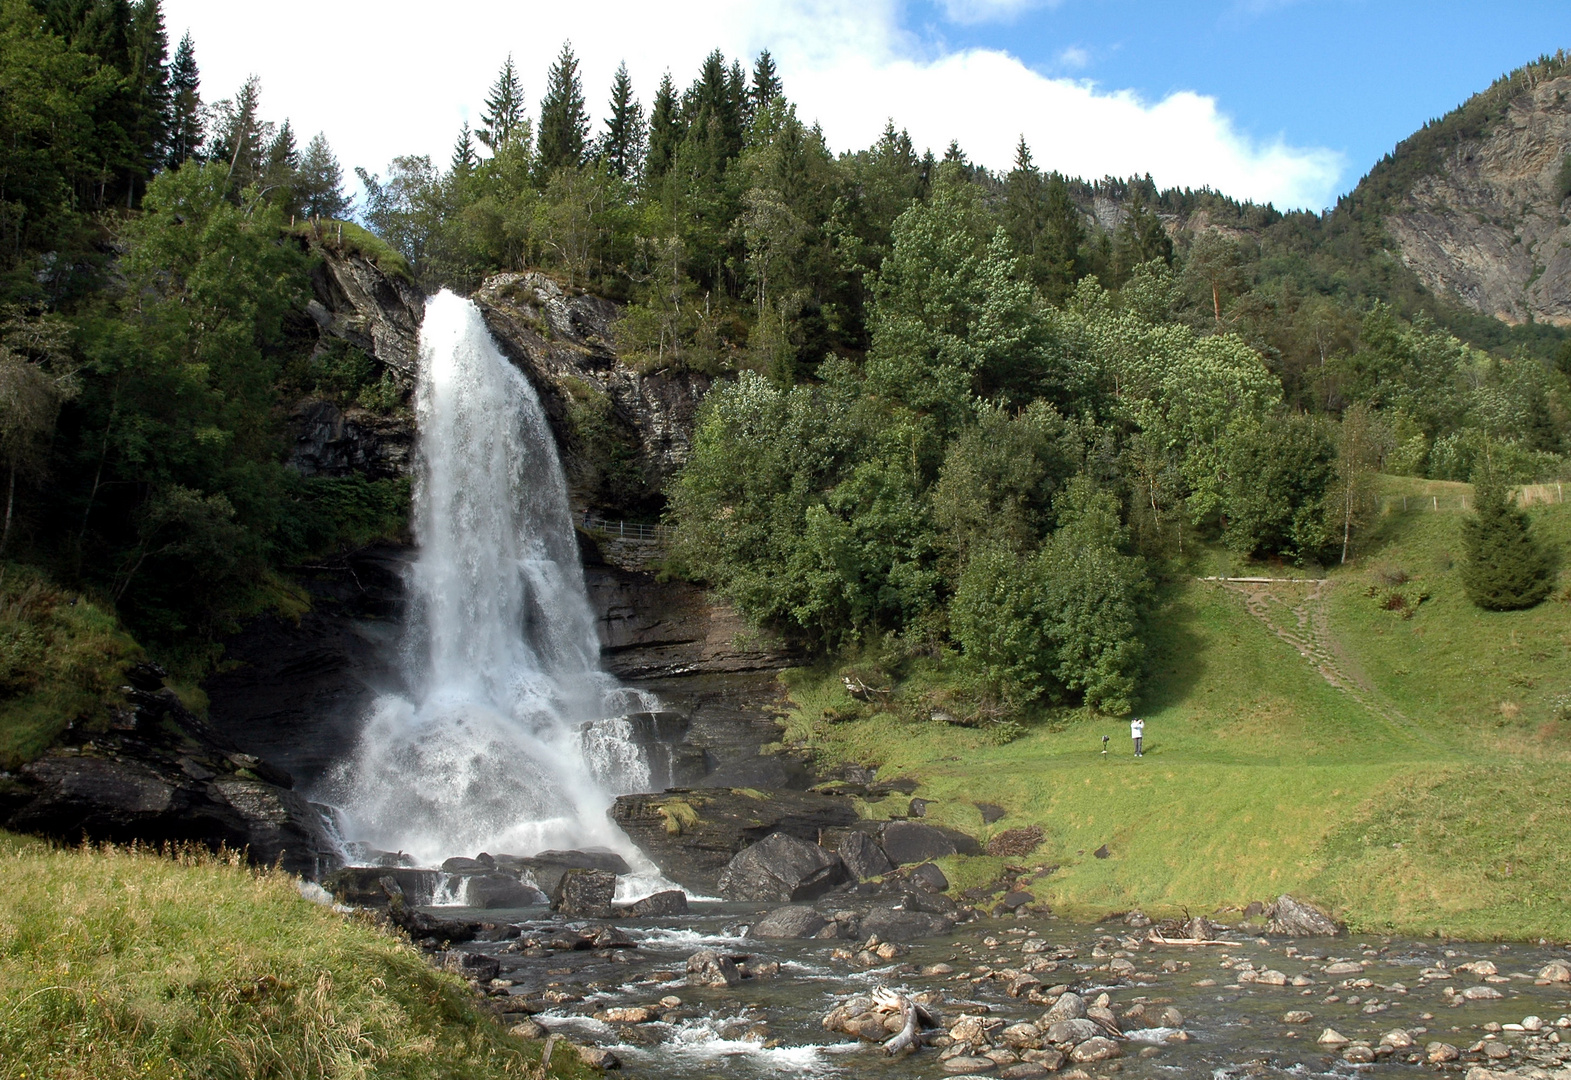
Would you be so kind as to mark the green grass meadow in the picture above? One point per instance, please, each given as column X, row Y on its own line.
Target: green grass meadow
column 1428, row 794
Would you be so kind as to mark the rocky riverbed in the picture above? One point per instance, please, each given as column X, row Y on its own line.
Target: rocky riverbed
column 704, row 994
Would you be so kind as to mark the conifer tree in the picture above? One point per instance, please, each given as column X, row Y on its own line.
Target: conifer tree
column 1504, row 568
column 1063, row 233
column 622, row 147
column 1139, row 239
column 766, row 81
column 185, row 104
column 149, row 82
column 1024, row 212
column 464, row 157
column 503, row 118
column 564, row 124
column 320, row 186
column 242, row 139
column 665, row 130
column 953, row 155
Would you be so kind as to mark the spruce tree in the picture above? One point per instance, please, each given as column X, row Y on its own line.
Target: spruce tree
column 1063, row 233
column 1141, row 238
column 1503, row 568
column 149, row 81
column 320, row 186
column 665, row 130
column 241, row 139
column 622, row 147
column 464, row 157
column 564, row 125
column 503, row 119
column 1024, row 212
column 766, row 81
column 185, row 105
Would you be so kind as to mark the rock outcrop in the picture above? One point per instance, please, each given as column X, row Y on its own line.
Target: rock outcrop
column 1486, row 222
column 159, row 773
column 782, row 867
column 692, row 834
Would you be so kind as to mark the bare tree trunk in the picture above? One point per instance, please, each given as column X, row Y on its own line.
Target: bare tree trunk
column 10, row 502
column 1347, row 521
column 1216, row 302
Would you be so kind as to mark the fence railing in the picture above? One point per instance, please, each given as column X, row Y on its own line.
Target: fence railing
column 643, row 532
column 1526, row 495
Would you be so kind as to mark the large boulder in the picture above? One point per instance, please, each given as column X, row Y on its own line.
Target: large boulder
column 545, row 870
column 786, row 923
column 585, row 894
column 900, row 924
column 782, row 867
column 912, row 842
column 862, row 856
column 1298, row 919
column 693, row 833
column 377, row 886
column 501, row 891
column 706, row 967
column 667, row 902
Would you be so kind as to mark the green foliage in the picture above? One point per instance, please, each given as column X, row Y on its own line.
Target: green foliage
column 119, row 963
column 1504, row 568
column 62, row 660
column 1279, row 472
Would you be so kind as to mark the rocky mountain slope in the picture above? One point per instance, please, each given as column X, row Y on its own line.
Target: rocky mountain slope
column 1476, row 204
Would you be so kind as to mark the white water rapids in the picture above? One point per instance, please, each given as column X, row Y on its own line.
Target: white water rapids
column 509, row 739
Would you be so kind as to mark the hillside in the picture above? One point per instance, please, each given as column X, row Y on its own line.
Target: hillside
column 1300, row 737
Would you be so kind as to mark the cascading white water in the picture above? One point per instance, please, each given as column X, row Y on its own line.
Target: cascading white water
column 510, row 739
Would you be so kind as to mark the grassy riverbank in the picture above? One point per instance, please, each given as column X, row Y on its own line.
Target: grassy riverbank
column 119, row 964
column 1405, row 765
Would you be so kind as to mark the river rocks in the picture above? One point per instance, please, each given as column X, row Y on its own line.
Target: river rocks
column 1065, row 1032
column 862, row 856
column 1344, row 967
column 1482, row 993
column 1099, row 1048
column 710, row 968
column 928, row 878
column 1069, row 1006
column 499, row 891
column 1556, row 971
column 547, row 868
column 470, row 965
column 1171, row 1017
column 1398, row 1039
column 1358, row 1054
column 910, row 842
column 1298, row 919
column 1297, row 1016
column 1333, row 1039
column 599, row 1058
column 970, row 1065
column 375, row 886
column 900, row 924
column 666, row 902
column 586, row 894
column 1437, row 1053
column 789, row 922
column 692, row 834
column 781, row 867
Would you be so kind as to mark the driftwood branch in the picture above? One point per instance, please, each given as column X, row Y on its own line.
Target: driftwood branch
column 1156, row 938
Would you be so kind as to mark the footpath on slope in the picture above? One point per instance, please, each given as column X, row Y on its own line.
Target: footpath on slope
column 1294, row 609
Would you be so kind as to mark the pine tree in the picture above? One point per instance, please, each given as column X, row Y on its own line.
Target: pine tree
column 564, row 124
column 665, row 130
column 622, row 147
column 241, row 138
column 503, row 118
column 1063, row 233
column 149, row 81
column 1141, row 238
column 1024, row 212
column 320, row 186
column 464, row 157
column 1504, row 568
column 953, row 155
column 185, row 105
column 766, row 81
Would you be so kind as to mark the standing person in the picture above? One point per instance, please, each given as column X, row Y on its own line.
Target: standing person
column 1137, row 730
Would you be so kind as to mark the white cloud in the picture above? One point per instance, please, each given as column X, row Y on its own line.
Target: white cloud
column 390, row 77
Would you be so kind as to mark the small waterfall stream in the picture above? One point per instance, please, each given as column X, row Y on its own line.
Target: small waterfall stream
column 510, row 737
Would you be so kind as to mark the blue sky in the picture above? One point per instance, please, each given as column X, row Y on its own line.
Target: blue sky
column 1354, row 76
column 1287, row 101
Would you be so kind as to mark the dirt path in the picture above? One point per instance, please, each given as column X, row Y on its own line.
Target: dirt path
column 1294, row 609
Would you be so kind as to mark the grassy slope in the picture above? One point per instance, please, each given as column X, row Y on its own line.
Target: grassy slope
column 1433, row 811
column 116, row 964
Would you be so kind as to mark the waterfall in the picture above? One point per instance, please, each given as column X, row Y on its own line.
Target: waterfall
column 509, row 737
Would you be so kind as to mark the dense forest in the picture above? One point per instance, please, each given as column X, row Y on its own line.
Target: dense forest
column 962, row 419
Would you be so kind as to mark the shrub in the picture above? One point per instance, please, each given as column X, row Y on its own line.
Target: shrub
column 1504, row 567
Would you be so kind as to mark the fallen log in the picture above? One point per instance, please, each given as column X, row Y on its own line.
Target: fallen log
column 1157, row 939
column 912, row 1017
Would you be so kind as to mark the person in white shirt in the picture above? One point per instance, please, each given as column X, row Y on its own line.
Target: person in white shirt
column 1137, row 730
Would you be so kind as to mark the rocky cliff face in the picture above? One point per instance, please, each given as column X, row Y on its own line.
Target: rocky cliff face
column 1489, row 225
column 622, row 433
